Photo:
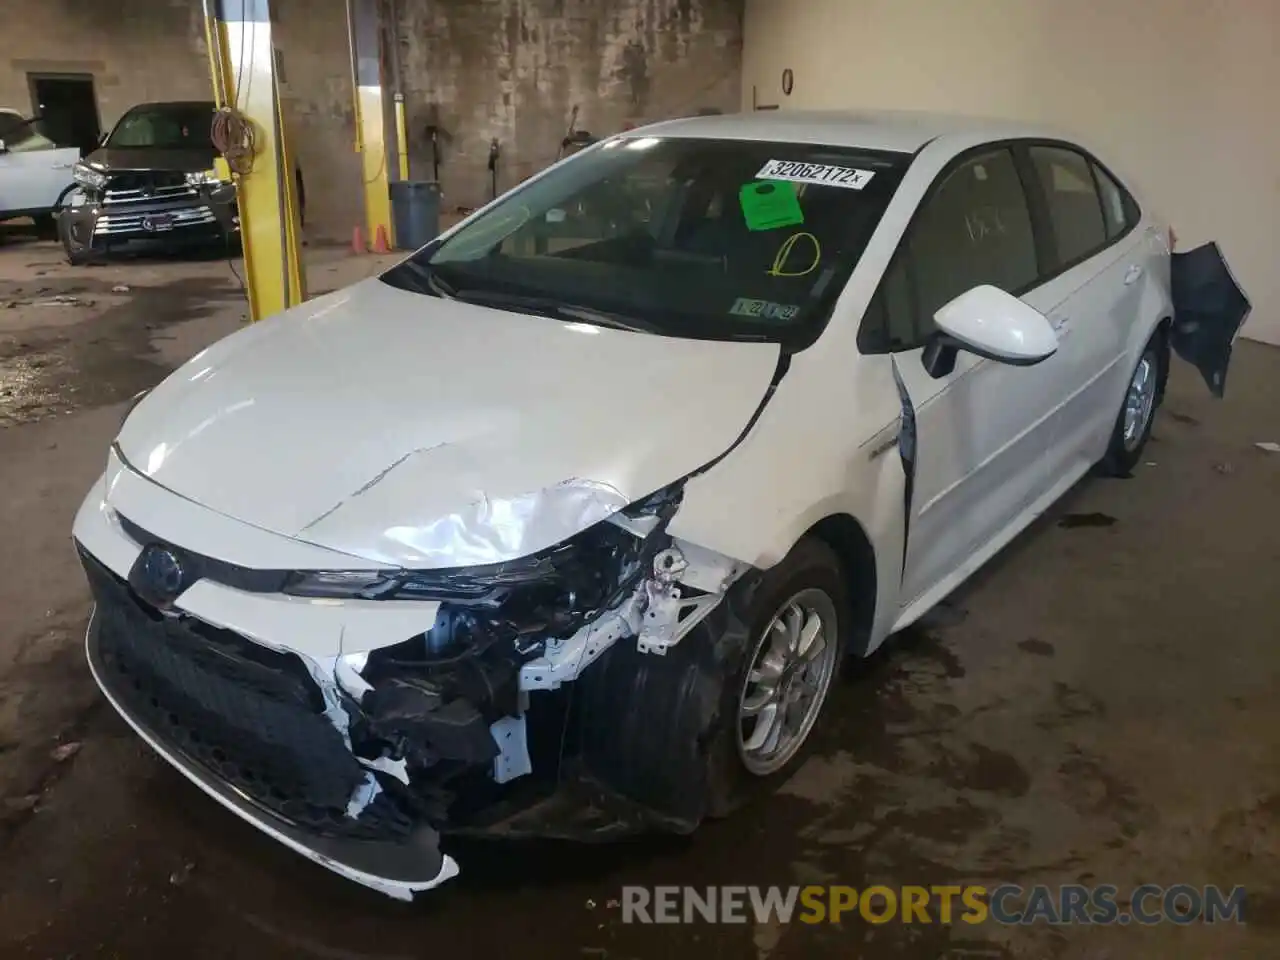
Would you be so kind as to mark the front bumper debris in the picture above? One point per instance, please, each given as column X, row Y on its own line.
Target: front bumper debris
column 449, row 716
column 246, row 735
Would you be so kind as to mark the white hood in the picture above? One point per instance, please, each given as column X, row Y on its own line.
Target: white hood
column 411, row 430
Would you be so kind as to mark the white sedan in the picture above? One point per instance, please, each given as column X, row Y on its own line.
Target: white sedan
column 563, row 525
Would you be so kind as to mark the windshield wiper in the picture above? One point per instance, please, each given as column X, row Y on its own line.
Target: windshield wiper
column 438, row 286
column 551, row 307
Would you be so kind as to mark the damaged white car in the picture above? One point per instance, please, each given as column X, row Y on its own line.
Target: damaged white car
column 563, row 525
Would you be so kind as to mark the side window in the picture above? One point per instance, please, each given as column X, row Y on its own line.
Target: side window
column 974, row 228
column 1117, row 207
column 1075, row 211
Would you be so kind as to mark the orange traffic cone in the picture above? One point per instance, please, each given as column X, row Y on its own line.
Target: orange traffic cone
column 357, row 241
column 380, row 243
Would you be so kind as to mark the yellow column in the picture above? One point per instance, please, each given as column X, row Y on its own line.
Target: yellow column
column 402, row 138
column 242, row 60
column 371, row 134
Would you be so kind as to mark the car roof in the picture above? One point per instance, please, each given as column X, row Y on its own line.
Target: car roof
column 897, row 131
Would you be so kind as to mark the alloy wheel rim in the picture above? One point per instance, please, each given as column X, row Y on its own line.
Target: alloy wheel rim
column 1139, row 401
column 792, row 665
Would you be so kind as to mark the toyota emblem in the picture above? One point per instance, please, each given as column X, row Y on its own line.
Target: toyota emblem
column 161, row 571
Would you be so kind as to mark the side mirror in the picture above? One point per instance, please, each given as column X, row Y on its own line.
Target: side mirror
column 990, row 323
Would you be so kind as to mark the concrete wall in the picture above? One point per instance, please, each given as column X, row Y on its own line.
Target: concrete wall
column 514, row 69
column 1179, row 94
column 480, row 69
column 137, row 50
column 315, row 91
column 140, row 50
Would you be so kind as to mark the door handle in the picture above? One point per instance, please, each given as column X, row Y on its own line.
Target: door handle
column 1132, row 274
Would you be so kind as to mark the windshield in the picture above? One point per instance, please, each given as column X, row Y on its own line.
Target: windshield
column 709, row 239
column 20, row 133
column 167, row 126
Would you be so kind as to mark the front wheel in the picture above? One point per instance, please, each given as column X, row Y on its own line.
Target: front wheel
column 78, row 252
column 1142, row 396
column 730, row 711
column 773, row 695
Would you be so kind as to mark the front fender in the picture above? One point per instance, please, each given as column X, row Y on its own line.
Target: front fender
column 824, row 445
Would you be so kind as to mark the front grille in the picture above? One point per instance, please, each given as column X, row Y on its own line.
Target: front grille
column 228, row 574
column 146, row 186
column 116, row 221
column 246, row 714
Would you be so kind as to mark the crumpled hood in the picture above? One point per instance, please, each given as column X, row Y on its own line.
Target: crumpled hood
column 415, row 431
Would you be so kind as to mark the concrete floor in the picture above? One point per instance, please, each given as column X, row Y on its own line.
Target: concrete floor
column 1099, row 706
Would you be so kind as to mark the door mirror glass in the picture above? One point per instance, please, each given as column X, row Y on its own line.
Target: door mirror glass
column 998, row 326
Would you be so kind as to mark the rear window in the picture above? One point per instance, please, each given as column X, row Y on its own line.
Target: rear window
column 719, row 239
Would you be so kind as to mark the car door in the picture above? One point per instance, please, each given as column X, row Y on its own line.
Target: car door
column 979, row 450
column 1094, row 265
column 33, row 173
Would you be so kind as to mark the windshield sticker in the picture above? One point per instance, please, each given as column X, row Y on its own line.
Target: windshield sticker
column 769, row 204
column 788, row 263
column 763, row 309
column 823, row 174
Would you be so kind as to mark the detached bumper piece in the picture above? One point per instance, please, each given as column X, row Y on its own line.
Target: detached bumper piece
column 1209, row 309
column 246, row 724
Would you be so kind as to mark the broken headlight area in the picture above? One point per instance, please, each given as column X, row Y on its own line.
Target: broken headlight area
column 442, row 718
column 523, row 602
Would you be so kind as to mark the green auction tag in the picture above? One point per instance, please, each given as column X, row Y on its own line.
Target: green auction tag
column 769, row 204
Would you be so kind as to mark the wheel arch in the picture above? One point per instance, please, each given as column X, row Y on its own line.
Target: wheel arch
column 857, row 555
column 1165, row 328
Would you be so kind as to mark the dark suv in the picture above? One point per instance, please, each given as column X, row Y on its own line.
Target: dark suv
column 151, row 180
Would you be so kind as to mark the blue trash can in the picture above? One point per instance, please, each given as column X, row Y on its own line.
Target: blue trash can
column 415, row 212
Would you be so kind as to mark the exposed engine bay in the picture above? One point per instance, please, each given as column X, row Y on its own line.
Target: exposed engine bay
column 445, row 718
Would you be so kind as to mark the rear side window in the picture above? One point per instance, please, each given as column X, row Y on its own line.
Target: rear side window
column 1075, row 210
column 1117, row 207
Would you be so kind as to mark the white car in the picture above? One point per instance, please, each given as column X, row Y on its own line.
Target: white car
column 34, row 171
column 563, row 525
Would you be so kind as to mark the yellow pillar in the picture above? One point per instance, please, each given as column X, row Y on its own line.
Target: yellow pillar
column 242, row 59
column 371, row 133
column 402, row 138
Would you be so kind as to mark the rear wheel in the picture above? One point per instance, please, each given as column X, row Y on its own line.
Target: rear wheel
column 1142, row 397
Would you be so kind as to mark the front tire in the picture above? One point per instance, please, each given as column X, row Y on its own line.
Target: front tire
column 77, row 252
column 1137, row 414
column 680, row 734
column 776, row 688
